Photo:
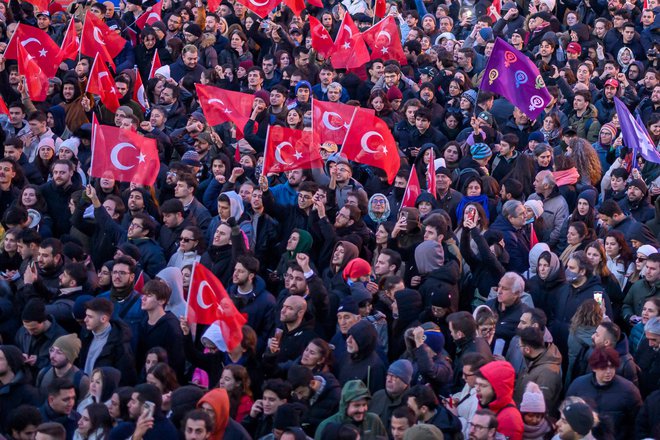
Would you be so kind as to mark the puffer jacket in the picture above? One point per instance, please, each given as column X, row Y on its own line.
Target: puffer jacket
column 587, row 125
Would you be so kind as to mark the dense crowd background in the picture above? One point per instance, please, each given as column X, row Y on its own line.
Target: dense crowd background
column 520, row 301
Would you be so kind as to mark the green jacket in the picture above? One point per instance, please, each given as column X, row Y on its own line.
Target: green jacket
column 586, row 126
column 637, row 295
column 371, row 428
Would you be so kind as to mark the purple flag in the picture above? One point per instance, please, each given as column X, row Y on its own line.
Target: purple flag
column 634, row 134
column 511, row 74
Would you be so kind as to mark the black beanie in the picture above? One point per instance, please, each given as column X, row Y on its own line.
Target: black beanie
column 287, row 416
column 35, row 310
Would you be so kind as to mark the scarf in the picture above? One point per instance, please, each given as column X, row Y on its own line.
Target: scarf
column 537, row 432
column 566, row 177
column 482, row 199
column 566, row 255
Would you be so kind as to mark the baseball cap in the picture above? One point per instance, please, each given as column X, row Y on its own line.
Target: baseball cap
column 612, row 82
column 574, row 48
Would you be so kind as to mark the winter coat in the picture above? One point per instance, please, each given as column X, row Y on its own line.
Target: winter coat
column 14, row 394
column 322, row 402
column 152, row 258
column 259, row 308
column 165, row 333
column 365, row 365
column 642, row 210
column 649, row 363
column 508, row 320
column 545, row 293
column 292, row 343
column 431, row 369
column 555, row 212
column 515, row 242
column 115, row 353
column 501, row 377
column 580, row 347
column 39, row 346
column 476, row 344
column 128, row 311
column 383, row 405
column 638, row 294
column 587, row 125
column 647, row 424
column 443, row 280
column 618, row 400
column 57, row 199
column 105, row 233
column 545, row 371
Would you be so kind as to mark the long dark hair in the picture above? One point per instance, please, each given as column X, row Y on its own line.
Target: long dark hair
column 99, row 416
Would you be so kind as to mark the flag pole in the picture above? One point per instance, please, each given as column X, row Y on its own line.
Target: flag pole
column 192, row 275
column 349, row 129
column 264, row 168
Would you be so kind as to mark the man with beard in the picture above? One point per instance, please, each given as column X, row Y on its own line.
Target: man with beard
column 605, row 104
column 348, row 226
column 174, row 109
column 194, row 209
column 636, row 202
column 290, row 343
column 72, row 280
column 43, row 280
column 299, row 282
column 320, row 392
column 424, row 403
column 9, row 193
column 463, row 329
column 63, row 353
column 57, row 193
column 286, row 193
column 494, row 383
column 15, row 124
column 483, row 425
column 22, row 422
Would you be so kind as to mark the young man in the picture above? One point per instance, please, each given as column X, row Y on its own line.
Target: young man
column 59, row 406
column 197, row 425
column 63, row 353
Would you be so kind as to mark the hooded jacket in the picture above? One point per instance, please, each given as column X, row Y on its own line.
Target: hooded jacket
column 370, row 428
column 501, row 376
column 639, row 292
column 439, row 273
column 515, row 242
column 165, row 333
column 545, row 371
column 365, row 365
column 410, row 306
column 545, row 293
column 224, row 427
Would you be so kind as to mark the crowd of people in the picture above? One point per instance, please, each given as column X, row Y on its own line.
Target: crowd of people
column 517, row 298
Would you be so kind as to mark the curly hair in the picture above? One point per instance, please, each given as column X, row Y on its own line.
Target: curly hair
column 586, row 160
column 589, row 314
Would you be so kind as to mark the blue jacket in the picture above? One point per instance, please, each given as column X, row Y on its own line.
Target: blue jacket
column 260, row 310
column 323, row 96
column 516, row 244
column 152, row 257
column 284, row 194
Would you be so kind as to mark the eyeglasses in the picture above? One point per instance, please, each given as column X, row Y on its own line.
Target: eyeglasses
column 120, row 273
column 475, row 426
column 378, row 202
column 186, row 240
column 135, row 225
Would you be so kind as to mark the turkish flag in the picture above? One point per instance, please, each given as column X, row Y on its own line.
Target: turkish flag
column 123, row 155
column 381, row 8
column 369, row 141
column 220, row 106
column 101, row 83
column 288, row 149
column 150, row 16
column 413, row 190
column 321, row 39
column 98, row 38
column 260, row 7
column 297, row 6
column 139, row 283
column 208, row 303
column 349, row 49
column 70, row 44
column 155, row 64
column 138, row 91
column 494, row 10
column 430, row 174
column 3, row 107
column 533, row 239
column 384, row 40
column 35, row 78
column 37, row 43
column 40, row 5
column 330, row 120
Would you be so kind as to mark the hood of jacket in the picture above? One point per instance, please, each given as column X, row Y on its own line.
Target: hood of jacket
column 550, row 356
column 208, row 40
column 219, row 401
column 110, row 379
column 386, row 213
column 236, row 206
column 534, row 254
column 501, row 376
column 366, row 338
column 410, row 305
column 350, row 252
column 173, row 278
column 352, row 391
column 556, row 275
column 429, row 256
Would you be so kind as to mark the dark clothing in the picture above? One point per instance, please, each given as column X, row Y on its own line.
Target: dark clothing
column 14, row 394
column 57, row 199
column 115, row 353
column 463, row 346
column 259, row 306
column 515, row 242
column 40, row 344
column 166, row 333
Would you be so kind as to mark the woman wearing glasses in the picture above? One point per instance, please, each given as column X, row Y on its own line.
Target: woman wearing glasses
column 190, row 249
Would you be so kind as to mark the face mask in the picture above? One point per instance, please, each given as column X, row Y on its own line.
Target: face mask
column 571, row 276
column 529, row 221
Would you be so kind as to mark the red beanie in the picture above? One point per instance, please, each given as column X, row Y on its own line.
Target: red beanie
column 356, row 268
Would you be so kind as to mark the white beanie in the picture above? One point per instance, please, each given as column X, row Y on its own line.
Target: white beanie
column 163, row 71
column 550, row 4
column 536, row 206
column 532, row 401
column 71, row 144
column 646, row 250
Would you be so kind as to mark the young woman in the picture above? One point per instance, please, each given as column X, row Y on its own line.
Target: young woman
column 236, row 381
column 595, row 252
column 31, row 198
column 163, row 376
column 620, row 258
column 583, row 324
column 300, row 242
column 118, row 404
column 577, row 237
column 102, row 384
column 546, row 286
column 651, row 309
column 10, row 259
column 191, row 247
column 94, row 424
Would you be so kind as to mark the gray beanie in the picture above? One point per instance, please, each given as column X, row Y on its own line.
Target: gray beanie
column 402, row 369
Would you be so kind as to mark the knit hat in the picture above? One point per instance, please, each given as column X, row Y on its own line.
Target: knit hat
column 286, row 416
column 70, row 346
column 536, row 136
column 487, row 117
column 356, row 268
column 348, row 305
column 131, row 250
column 435, row 340
column 536, row 206
column 191, row 157
column 423, row 431
column 549, row 3
column 580, row 417
column 520, row 31
column 639, row 183
column 532, row 401
column 470, row 95
column 72, row 144
column 163, row 71
column 480, row 151
column 486, row 33
column 47, row 142
column 194, row 29
column 360, row 294
column 646, row 250
column 246, row 64
column 444, row 36
column 402, row 369
column 394, row 93
column 608, row 126
column 304, row 84
column 34, row 311
column 263, row 95
column 590, row 196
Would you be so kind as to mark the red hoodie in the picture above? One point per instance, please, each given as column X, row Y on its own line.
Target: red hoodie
column 501, row 376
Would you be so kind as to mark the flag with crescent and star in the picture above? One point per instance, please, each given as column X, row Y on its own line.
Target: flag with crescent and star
column 98, row 38
column 220, row 106
column 321, row 39
column 349, row 50
column 413, row 190
column 150, row 16
column 209, row 303
column 38, row 44
column 36, row 79
column 384, row 40
column 330, row 121
column 635, row 135
column 512, row 74
column 101, row 83
column 288, row 149
column 124, row 155
column 369, row 141
column 260, row 7
column 70, row 44
column 139, row 94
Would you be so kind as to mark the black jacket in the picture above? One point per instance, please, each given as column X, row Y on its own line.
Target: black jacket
column 166, row 333
column 647, row 424
column 260, row 309
column 57, row 199
column 116, row 353
column 365, row 365
column 14, row 394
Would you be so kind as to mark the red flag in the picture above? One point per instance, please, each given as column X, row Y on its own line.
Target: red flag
column 533, row 239
column 40, row 5
column 35, row 78
column 101, row 83
column 37, row 43
column 208, row 303
column 384, row 40
column 413, row 190
column 321, row 39
column 98, row 38
column 317, row 3
column 155, row 65
column 150, row 16
column 124, row 155
column 430, row 174
column 494, row 10
column 220, row 106
column 70, row 45
column 3, row 107
column 138, row 91
column 139, row 283
column 261, row 8
column 331, row 120
column 349, row 49
column 370, row 141
column 288, row 149
column 213, row 5
column 297, row 6
column 381, row 8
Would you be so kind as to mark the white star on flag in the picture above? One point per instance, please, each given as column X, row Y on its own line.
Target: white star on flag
column 298, row 155
column 142, row 157
column 43, row 52
column 384, row 50
column 347, row 45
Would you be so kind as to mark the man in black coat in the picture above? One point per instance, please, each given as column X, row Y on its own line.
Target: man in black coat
column 57, row 193
column 15, row 387
column 463, row 329
column 174, row 222
column 508, row 306
column 14, row 150
column 298, row 330
column 319, row 392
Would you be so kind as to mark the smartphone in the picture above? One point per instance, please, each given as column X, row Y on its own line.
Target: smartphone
column 148, row 409
column 499, row 347
column 598, row 296
column 404, row 215
column 471, row 213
